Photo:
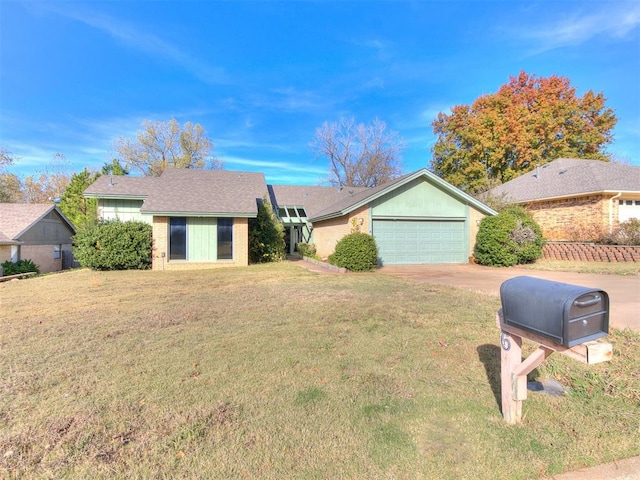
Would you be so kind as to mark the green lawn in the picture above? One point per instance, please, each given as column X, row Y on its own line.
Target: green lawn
column 274, row 372
column 605, row 268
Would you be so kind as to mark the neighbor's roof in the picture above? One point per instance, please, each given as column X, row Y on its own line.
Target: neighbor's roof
column 364, row 196
column 187, row 191
column 568, row 177
column 17, row 218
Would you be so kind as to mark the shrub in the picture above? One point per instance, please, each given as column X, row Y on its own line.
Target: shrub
column 114, row 245
column 627, row 233
column 306, row 249
column 512, row 237
column 266, row 236
column 356, row 252
column 22, row 266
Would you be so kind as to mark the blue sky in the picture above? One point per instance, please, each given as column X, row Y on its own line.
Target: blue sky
column 262, row 76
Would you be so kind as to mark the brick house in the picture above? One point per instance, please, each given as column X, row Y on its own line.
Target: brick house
column 200, row 217
column 575, row 199
column 36, row 232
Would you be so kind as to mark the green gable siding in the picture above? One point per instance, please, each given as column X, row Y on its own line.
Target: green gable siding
column 202, row 239
column 123, row 210
column 418, row 199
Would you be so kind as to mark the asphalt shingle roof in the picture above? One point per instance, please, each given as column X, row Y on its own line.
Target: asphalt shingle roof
column 184, row 191
column 566, row 177
column 207, row 191
column 16, row 218
column 314, row 199
column 121, row 186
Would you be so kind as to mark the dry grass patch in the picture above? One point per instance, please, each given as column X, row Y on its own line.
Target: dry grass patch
column 274, row 372
column 606, row 268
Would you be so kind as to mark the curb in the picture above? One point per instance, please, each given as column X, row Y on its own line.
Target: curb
column 627, row 469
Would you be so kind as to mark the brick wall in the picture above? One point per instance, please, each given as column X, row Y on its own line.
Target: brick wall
column 589, row 252
column 474, row 225
column 161, row 245
column 575, row 219
column 327, row 233
column 5, row 253
column 41, row 255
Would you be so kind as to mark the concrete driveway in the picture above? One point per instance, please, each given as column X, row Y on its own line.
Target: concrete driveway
column 624, row 291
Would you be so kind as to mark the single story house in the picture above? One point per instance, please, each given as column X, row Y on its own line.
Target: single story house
column 200, row 217
column 575, row 199
column 36, row 232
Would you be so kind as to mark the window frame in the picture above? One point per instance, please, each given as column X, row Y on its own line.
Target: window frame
column 175, row 224
column 224, row 238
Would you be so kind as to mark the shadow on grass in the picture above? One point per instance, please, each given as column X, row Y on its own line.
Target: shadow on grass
column 489, row 355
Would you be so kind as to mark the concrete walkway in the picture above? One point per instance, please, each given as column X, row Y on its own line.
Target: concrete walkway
column 624, row 291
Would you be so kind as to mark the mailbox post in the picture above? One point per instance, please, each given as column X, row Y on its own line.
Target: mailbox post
column 559, row 317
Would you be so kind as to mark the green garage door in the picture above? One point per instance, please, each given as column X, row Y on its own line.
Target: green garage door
column 420, row 241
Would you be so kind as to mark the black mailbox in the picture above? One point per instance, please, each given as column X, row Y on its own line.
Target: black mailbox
column 566, row 314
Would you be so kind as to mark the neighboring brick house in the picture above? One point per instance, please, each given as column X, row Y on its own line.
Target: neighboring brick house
column 36, row 232
column 200, row 217
column 575, row 199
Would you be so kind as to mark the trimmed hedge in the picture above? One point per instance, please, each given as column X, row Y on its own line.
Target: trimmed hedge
column 510, row 238
column 357, row 252
column 22, row 266
column 114, row 245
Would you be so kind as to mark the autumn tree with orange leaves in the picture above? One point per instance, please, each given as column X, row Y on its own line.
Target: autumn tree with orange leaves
column 529, row 122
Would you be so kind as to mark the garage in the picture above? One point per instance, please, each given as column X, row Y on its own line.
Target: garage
column 421, row 241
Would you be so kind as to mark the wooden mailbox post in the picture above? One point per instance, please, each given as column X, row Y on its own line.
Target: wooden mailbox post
column 514, row 370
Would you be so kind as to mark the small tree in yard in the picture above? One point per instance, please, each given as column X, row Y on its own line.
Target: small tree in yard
column 357, row 252
column 512, row 237
column 266, row 236
column 114, row 245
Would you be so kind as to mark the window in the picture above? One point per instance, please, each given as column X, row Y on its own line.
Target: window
column 225, row 238
column 177, row 238
column 57, row 249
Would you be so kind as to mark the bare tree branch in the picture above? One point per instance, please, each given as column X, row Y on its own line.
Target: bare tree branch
column 359, row 155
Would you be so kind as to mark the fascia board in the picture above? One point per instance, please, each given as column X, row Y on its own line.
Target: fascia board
column 577, row 195
column 200, row 214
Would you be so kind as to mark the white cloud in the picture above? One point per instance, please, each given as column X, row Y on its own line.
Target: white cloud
column 571, row 30
column 136, row 38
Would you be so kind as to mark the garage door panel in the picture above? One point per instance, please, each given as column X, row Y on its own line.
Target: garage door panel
column 416, row 241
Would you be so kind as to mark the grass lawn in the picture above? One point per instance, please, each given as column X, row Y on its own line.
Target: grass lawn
column 606, row 268
column 274, row 372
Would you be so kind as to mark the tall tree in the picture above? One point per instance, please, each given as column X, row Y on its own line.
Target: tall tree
column 114, row 168
column 530, row 121
column 6, row 158
column 359, row 155
column 10, row 184
column 48, row 184
column 79, row 210
column 167, row 144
